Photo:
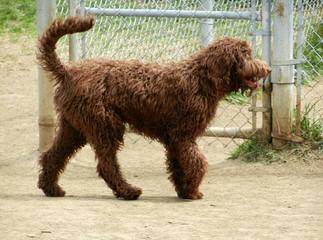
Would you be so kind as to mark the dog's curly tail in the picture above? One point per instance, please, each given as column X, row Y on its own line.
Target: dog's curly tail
column 46, row 55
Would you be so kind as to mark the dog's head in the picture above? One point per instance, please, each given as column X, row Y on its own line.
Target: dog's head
column 229, row 63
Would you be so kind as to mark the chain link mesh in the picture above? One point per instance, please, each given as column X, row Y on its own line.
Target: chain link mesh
column 312, row 54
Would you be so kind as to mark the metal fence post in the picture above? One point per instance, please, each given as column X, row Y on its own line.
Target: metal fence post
column 254, row 46
column 73, row 49
column 46, row 118
column 83, row 35
column 266, row 54
column 206, row 23
column 282, row 72
column 300, row 43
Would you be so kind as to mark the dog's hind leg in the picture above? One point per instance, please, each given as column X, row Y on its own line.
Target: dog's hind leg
column 67, row 141
column 106, row 144
column 187, row 166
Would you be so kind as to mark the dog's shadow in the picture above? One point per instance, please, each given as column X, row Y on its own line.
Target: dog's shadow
column 92, row 197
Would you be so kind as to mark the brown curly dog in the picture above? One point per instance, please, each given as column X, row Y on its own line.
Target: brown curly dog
column 171, row 103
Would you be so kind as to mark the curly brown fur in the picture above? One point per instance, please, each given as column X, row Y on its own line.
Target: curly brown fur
column 171, row 103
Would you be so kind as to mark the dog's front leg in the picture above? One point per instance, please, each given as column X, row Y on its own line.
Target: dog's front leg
column 187, row 166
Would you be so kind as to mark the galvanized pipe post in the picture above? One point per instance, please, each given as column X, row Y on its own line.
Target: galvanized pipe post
column 74, row 53
column 266, row 54
column 46, row 117
column 254, row 46
column 282, row 72
column 300, row 43
column 83, row 35
column 206, row 24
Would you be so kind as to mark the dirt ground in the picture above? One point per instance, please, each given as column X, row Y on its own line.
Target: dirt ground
column 242, row 201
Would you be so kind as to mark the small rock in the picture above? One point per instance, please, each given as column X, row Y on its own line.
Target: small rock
column 31, row 236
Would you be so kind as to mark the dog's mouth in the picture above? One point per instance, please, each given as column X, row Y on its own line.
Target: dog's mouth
column 251, row 83
column 252, row 72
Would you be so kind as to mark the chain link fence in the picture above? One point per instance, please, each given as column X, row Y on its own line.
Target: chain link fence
column 166, row 39
column 312, row 45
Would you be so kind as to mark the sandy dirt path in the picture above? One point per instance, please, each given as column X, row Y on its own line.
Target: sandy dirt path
column 242, row 201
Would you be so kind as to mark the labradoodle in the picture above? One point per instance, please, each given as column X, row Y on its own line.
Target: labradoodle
column 171, row 103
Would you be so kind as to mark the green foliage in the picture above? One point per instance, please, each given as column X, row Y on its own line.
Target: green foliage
column 254, row 151
column 237, row 98
column 311, row 128
column 18, row 17
column 312, row 148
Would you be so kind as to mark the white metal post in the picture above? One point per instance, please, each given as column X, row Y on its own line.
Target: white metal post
column 282, row 72
column 206, row 23
column 300, row 43
column 266, row 54
column 46, row 117
column 254, row 46
column 74, row 54
column 83, row 35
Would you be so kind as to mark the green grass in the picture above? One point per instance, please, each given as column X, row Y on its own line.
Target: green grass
column 237, row 98
column 312, row 131
column 254, row 151
column 311, row 128
column 18, row 17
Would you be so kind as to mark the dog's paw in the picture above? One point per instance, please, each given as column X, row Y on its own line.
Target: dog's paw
column 52, row 190
column 193, row 196
column 130, row 193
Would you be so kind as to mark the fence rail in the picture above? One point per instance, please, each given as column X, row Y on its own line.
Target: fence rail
column 247, row 15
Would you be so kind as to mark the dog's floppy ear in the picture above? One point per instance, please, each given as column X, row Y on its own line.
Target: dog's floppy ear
column 242, row 52
column 219, row 61
column 247, row 65
column 256, row 68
